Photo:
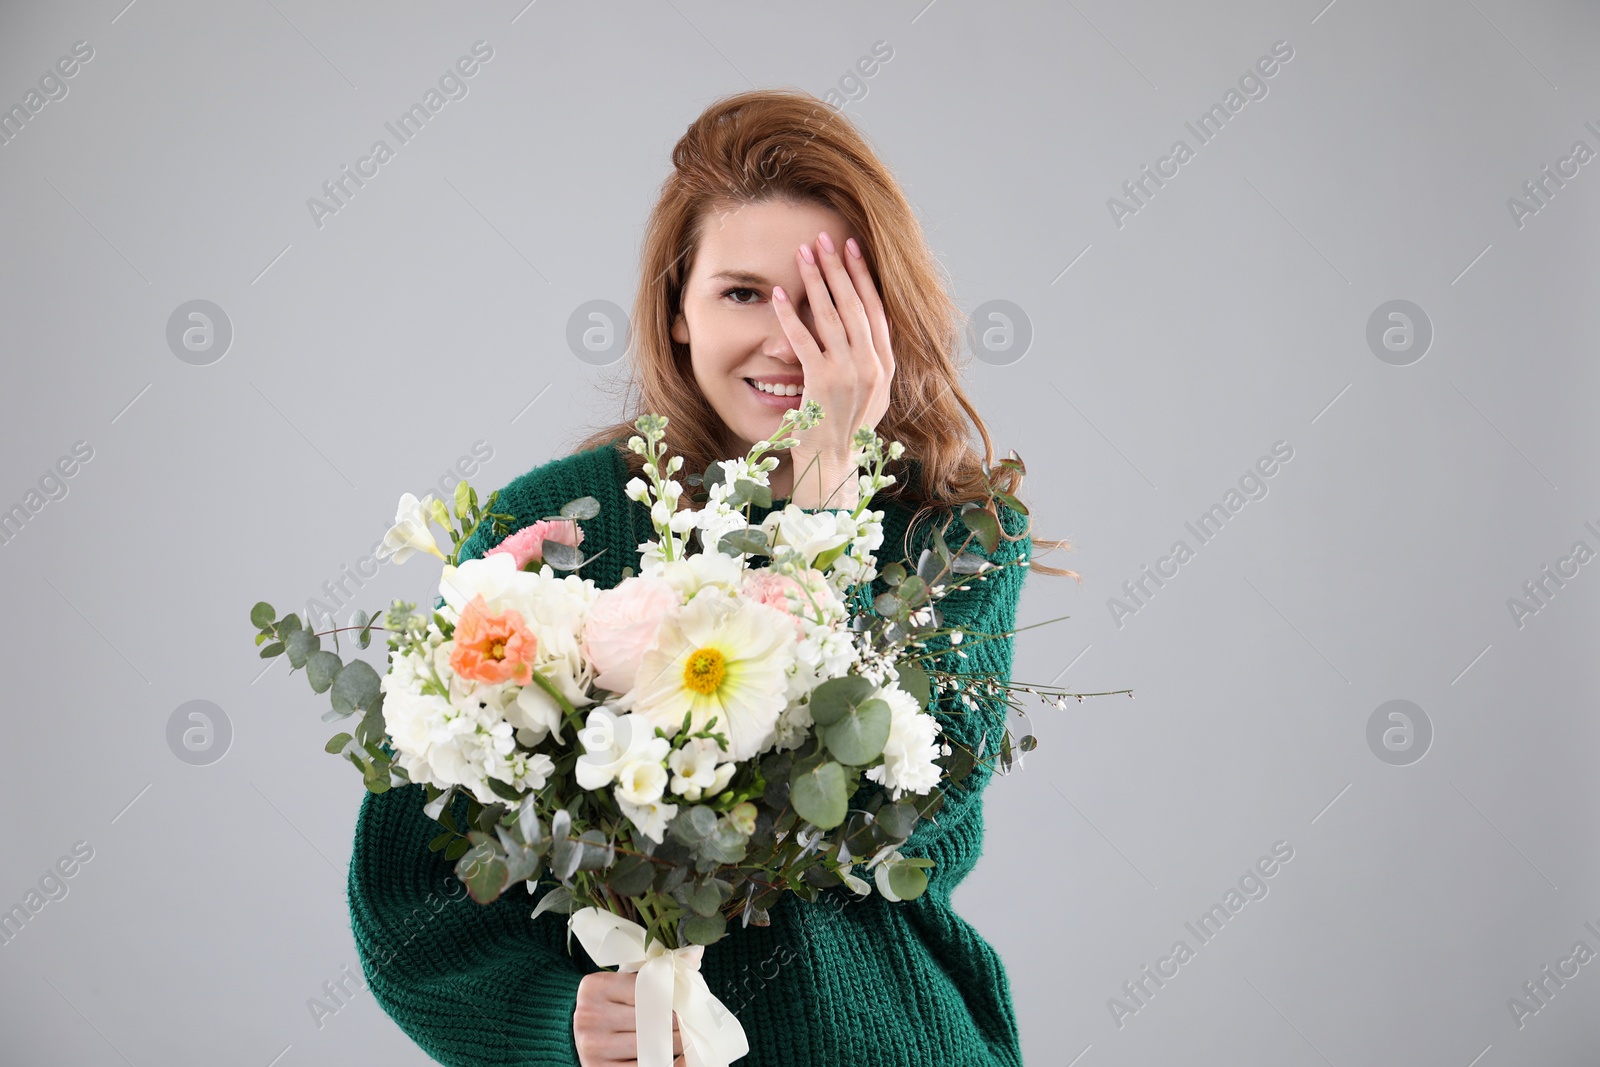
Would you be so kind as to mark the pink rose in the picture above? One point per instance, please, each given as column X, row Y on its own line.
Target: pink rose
column 772, row 589
column 527, row 544
column 621, row 626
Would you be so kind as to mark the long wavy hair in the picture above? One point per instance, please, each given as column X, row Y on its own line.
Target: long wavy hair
column 787, row 145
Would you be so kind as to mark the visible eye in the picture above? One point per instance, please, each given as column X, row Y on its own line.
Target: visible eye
column 730, row 292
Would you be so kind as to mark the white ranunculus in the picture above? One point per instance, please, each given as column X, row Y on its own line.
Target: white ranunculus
column 410, row 532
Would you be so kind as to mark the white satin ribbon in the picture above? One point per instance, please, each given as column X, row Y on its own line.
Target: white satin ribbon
column 669, row 981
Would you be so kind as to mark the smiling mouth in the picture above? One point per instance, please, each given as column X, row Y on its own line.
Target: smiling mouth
column 776, row 388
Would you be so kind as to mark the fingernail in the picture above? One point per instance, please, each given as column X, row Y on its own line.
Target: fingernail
column 778, row 293
column 855, row 249
column 825, row 241
column 805, row 254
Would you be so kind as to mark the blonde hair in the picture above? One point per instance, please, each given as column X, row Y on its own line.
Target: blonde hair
column 787, row 145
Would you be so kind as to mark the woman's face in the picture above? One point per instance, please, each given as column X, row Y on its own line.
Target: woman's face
column 727, row 319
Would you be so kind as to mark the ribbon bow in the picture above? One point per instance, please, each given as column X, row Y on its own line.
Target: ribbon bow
column 669, row 982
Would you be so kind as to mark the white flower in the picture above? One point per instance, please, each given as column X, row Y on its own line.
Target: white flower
column 651, row 819
column 909, row 754
column 643, row 779
column 811, row 534
column 859, row 886
column 410, row 532
column 611, row 743
column 719, row 656
column 689, row 576
column 696, row 773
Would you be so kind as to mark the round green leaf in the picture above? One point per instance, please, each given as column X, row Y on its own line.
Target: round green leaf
column 321, row 669
column 357, row 686
column 858, row 738
column 262, row 615
column 704, row 929
column 336, row 743
column 483, row 872
column 585, row 507
column 631, row 876
column 983, row 524
column 704, row 899
column 818, row 794
column 274, row 649
column 907, row 881
column 833, row 699
column 914, row 680
column 301, row 644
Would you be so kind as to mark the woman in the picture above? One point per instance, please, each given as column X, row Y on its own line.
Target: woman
column 760, row 288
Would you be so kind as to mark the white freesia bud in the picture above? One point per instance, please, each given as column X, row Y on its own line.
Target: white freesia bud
column 410, row 532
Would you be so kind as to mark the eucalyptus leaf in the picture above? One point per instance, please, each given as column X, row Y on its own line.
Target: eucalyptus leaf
column 750, row 539
column 336, row 743
column 819, row 795
column 898, row 819
column 562, row 556
column 321, row 669
column 906, row 881
column 274, row 649
column 262, row 615
column 357, row 686
column 631, row 876
column 859, row 736
column 983, row 525
column 968, row 563
column 585, row 507
column 557, row 899
column 704, row 899
column 833, row 699
column 914, row 680
column 483, row 872
column 704, row 929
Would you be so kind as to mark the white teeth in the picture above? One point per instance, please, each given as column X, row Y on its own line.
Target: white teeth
column 779, row 390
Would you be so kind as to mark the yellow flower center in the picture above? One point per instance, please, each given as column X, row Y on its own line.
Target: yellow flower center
column 498, row 650
column 704, row 671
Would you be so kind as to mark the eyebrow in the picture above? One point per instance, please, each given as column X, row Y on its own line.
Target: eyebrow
column 748, row 277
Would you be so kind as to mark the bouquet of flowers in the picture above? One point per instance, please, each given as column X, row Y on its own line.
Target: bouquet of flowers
column 679, row 750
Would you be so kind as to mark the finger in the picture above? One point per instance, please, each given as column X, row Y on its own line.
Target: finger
column 800, row 339
column 824, row 316
column 847, row 301
column 867, row 292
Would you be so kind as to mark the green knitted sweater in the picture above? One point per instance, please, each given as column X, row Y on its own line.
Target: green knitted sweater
column 845, row 980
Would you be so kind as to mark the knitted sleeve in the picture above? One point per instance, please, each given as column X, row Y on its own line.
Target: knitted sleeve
column 979, row 606
column 471, row 984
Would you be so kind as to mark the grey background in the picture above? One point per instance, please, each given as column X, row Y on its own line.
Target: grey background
column 1167, row 355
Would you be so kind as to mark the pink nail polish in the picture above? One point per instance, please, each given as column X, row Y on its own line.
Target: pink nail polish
column 825, row 241
column 805, row 254
column 778, row 294
column 855, row 249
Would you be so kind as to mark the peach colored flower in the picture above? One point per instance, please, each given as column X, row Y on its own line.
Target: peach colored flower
column 527, row 544
column 772, row 589
column 493, row 648
column 622, row 624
